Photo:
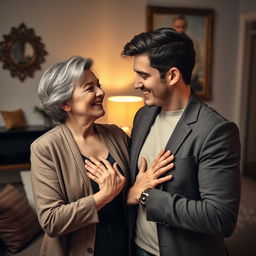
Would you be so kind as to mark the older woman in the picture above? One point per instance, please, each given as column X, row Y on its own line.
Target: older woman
column 82, row 212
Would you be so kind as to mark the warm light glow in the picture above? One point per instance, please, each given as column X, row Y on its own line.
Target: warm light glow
column 127, row 99
column 121, row 110
column 126, row 129
column 113, row 80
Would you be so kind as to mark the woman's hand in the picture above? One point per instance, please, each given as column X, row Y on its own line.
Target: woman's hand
column 150, row 178
column 108, row 177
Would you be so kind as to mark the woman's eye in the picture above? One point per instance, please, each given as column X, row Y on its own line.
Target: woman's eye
column 89, row 89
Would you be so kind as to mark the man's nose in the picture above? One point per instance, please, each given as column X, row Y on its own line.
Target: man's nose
column 138, row 84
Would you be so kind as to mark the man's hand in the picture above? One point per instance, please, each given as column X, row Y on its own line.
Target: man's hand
column 150, row 178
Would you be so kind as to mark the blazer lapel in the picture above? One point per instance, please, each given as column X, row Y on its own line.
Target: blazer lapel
column 183, row 129
column 77, row 156
column 142, row 130
column 180, row 133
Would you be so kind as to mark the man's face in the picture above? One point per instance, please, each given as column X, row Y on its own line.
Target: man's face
column 155, row 90
column 180, row 25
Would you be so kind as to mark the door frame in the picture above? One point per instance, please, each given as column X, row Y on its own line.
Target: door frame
column 242, row 77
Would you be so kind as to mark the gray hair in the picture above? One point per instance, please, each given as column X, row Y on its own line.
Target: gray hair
column 57, row 84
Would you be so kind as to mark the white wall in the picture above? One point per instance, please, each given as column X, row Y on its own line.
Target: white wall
column 92, row 28
column 99, row 29
column 224, row 49
column 246, row 6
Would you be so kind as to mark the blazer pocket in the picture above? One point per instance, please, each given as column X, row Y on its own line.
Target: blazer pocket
column 185, row 178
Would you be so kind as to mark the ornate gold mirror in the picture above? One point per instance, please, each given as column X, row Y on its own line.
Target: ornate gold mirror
column 22, row 52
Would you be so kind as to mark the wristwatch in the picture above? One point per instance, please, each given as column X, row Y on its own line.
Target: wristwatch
column 144, row 196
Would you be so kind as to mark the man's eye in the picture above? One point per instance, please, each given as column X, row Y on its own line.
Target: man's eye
column 144, row 76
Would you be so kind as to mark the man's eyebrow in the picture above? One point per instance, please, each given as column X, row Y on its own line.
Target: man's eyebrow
column 141, row 72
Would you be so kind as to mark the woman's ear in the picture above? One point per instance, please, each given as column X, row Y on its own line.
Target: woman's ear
column 173, row 76
column 66, row 107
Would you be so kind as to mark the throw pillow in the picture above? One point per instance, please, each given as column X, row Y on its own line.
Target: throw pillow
column 18, row 222
column 14, row 119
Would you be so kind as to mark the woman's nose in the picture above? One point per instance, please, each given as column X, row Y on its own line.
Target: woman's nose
column 99, row 91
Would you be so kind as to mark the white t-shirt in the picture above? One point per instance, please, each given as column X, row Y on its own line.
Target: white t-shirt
column 160, row 132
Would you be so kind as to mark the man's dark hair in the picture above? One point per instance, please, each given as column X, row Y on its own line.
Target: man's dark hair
column 165, row 49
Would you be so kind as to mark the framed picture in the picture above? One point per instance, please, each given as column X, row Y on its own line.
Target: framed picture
column 198, row 25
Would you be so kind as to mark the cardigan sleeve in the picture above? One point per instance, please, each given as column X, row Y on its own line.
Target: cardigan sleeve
column 55, row 214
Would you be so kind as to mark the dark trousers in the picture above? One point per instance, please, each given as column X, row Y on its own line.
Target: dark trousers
column 141, row 252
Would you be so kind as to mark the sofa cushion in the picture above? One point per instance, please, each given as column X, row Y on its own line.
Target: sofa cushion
column 18, row 222
column 14, row 119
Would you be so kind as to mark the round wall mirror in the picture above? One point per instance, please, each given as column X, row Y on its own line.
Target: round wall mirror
column 22, row 52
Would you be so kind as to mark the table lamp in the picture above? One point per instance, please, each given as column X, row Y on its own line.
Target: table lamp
column 121, row 110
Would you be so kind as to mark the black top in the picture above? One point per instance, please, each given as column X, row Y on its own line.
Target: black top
column 112, row 213
column 111, row 231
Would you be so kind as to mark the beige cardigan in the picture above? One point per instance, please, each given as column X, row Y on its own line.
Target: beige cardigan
column 62, row 190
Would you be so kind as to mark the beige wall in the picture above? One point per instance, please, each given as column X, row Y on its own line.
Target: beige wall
column 98, row 29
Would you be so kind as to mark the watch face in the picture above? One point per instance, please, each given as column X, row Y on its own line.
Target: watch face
column 144, row 196
column 143, row 199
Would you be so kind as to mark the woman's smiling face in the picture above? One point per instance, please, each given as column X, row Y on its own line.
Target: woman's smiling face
column 87, row 98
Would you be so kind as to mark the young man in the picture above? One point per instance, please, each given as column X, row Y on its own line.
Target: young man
column 191, row 213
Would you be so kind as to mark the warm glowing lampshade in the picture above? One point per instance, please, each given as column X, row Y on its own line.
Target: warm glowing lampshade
column 121, row 110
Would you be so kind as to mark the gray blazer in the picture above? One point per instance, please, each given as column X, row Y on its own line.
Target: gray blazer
column 197, row 208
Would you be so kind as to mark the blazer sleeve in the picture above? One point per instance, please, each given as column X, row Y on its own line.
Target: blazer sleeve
column 55, row 214
column 219, row 186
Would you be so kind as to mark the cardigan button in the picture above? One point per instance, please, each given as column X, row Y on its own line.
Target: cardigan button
column 90, row 250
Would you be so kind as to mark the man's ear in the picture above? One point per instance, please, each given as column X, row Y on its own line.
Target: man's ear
column 173, row 76
column 66, row 107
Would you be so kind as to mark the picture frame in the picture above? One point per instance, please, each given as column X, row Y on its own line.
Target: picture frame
column 198, row 25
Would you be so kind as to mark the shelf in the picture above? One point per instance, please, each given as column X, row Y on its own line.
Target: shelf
column 15, row 146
